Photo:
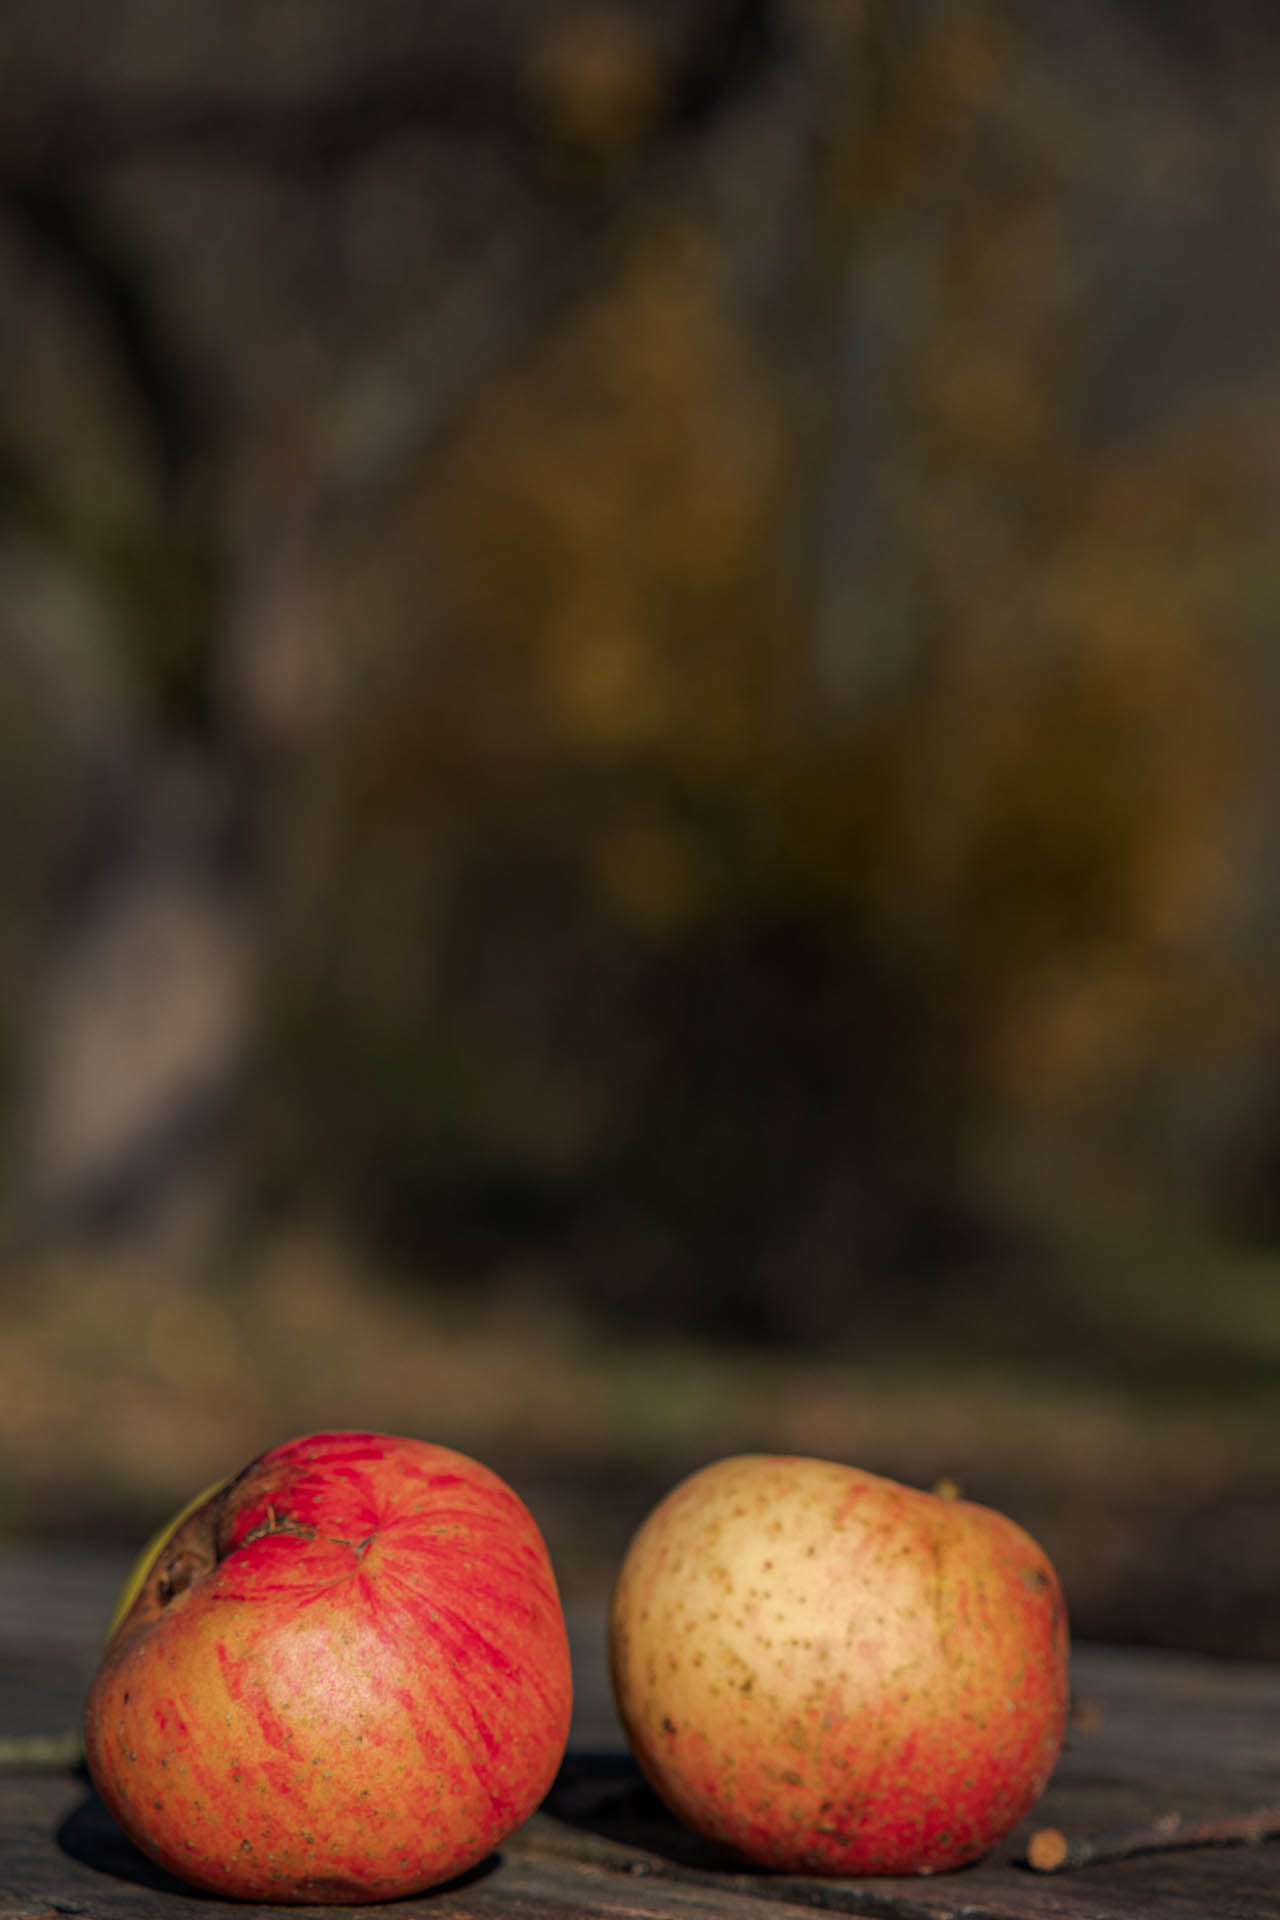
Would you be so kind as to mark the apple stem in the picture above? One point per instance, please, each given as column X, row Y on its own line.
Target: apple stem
column 1050, row 1851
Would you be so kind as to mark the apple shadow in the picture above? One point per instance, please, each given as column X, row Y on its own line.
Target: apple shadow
column 89, row 1836
column 606, row 1795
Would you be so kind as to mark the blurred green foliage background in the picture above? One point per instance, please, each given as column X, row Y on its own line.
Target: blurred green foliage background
column 637, row 737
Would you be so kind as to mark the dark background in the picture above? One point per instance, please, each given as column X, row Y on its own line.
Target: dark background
column 638, row 701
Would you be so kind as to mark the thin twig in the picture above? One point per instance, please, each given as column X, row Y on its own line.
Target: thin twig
column 1050, row 1851
column 40, row 1752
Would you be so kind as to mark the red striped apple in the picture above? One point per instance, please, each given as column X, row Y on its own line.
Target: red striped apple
column 835, row 1674
column 345, row 1676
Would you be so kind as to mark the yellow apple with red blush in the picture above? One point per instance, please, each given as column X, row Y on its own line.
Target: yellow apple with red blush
column 832, row 1673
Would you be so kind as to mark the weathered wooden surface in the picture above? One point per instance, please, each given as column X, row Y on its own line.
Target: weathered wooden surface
column 1151, row 1732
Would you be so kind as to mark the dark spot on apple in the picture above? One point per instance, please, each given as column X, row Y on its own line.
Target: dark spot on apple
column 668, row 1725
column 176, row 1575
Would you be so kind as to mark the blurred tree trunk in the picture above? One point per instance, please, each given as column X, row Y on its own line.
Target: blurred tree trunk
column 639, row 624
